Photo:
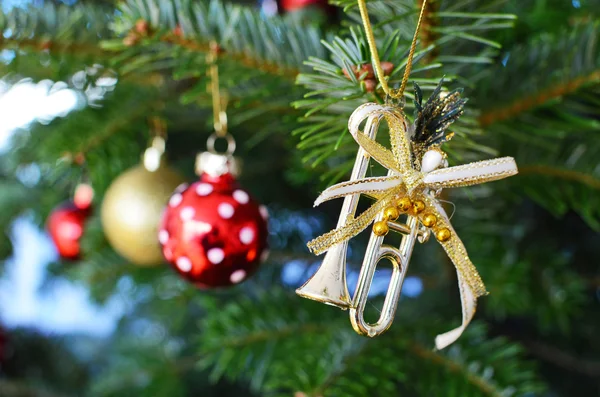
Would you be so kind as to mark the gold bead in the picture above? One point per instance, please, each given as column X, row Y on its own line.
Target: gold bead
column 404, row 204
column 429, row 220
column 391, row 213
column 381, row 228
column 418, row 206
column 443, row 234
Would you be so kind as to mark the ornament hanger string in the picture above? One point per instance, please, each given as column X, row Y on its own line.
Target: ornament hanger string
column 158, row 133
column 219, row 100
column 399, row 93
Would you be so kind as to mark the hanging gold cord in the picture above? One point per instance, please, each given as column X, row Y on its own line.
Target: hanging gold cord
column 362, row 6
column 219, row 101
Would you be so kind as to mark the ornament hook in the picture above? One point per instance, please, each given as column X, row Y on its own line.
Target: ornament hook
column 210, row 143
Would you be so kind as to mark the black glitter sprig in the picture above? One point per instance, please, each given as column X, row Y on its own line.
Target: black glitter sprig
column 433, row 119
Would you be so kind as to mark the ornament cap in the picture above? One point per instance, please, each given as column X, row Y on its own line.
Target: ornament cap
column 153, row 156
column 216, row 165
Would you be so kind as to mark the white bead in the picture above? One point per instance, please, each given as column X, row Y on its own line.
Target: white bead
column 241, row 196
column 237, row 276
column 215, row 255
column 432, row 159
column 225, row 210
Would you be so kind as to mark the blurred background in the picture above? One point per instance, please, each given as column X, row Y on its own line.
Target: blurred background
column 88, row 307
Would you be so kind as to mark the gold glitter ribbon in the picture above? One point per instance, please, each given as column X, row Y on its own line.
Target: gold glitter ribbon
column 405, row 180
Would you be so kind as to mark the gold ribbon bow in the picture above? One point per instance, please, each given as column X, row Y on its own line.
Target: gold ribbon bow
column 412, row 188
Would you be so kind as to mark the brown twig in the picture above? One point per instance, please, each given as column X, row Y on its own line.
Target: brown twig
column 427, row 34
column 562, row 174
column 78, row 49
column 563, row 359
column 110, row 130
column 10, row 388
column 522, row 105
column 452, row 366
column 69, row 48
column 248, row 61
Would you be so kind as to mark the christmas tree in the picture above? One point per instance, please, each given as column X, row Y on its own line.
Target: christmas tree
column 120, row 79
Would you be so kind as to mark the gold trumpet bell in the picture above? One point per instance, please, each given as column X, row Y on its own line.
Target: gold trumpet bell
column 328, row 284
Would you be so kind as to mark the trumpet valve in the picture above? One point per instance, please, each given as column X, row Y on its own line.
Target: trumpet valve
column 423, row 235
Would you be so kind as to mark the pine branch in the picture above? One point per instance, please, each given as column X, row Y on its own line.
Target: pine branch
column 557, row 147
column 12, row 388
column 244, row 59
column 55, row 27
column 115, row 125
column 479, row 382
column 556, row 66
column 427, row 34
column 271, row 46
column 556, row 172
column 562, row 359
column 452, row 28
column 269, row 335
column 525, row 104
column 40, row 44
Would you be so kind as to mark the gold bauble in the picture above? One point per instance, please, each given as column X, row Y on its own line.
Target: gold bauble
column 391, row 213
column 131, row 211
column 380, row 228
column 443, row 234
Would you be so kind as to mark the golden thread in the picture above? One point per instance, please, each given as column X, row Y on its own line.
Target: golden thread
column 362, row 6
column 158, row 127
column 219, row 102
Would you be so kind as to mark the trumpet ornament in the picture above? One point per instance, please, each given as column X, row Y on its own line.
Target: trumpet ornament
column 417, row 173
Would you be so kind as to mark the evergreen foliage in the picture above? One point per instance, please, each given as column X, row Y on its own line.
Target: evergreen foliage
column 531, row 71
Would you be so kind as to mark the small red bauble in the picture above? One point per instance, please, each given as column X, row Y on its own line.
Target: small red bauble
column 65, row 226
column 213, row 233
column 66, row 222
column 292, row 5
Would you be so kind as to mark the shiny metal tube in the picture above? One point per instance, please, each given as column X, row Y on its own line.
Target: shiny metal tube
column 399, row 258
column 328, row 285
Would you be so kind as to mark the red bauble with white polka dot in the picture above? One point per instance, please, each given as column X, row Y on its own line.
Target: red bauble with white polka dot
column 213, row 232
column 66, row 223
